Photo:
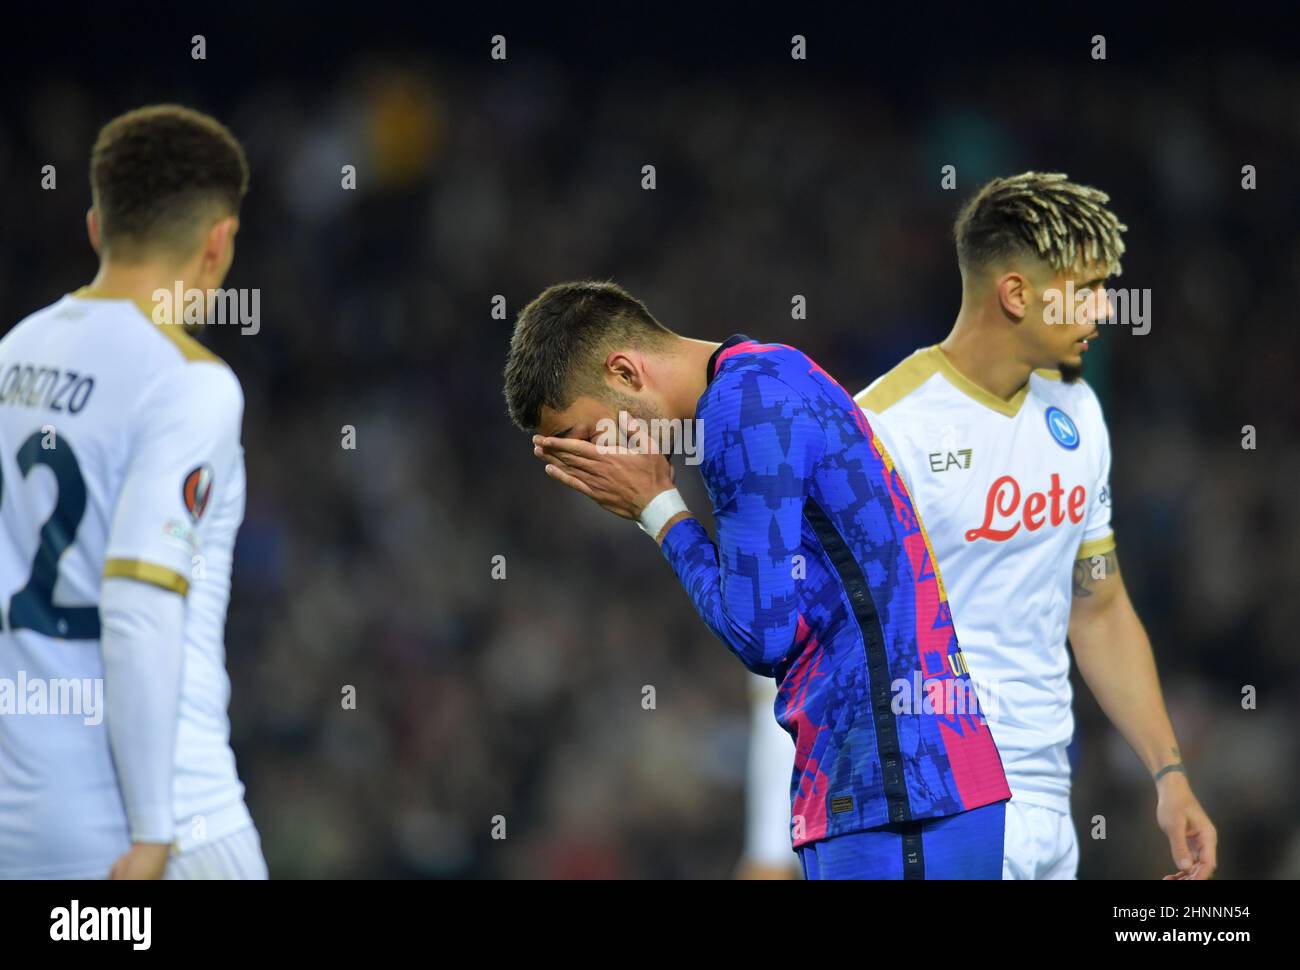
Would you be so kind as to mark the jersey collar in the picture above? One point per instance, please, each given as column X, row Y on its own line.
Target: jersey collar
column 84, row 294
column 718, row 355
column 972, row 390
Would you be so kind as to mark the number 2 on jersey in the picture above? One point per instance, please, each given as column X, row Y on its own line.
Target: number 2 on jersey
column 32, row 607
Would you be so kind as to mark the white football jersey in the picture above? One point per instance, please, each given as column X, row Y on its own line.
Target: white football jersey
column 119, row 457
column 1011, row 494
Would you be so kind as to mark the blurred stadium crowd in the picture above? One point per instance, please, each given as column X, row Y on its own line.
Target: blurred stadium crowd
column 521, row 699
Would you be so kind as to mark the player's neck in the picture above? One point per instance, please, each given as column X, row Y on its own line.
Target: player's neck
column 986, row 357
column 689, row 366
column 138, row 282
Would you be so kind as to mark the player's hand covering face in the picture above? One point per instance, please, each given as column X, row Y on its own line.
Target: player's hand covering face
column 621, row 476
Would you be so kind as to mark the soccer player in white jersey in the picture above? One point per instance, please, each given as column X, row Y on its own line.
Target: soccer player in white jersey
column 767, row 852
column 1007, row 456
column 121, row 490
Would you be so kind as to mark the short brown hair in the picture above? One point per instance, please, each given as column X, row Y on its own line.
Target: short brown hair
column 562, row 336
column 156, row 171
column 1042, row 214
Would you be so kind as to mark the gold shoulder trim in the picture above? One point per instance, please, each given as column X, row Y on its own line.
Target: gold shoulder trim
column 190, row 349
column 894, row 385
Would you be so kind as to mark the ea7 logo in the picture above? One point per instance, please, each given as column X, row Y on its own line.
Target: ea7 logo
column 941, row 461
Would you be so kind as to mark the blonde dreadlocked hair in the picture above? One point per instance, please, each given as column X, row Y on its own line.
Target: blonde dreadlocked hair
column 1043, row 213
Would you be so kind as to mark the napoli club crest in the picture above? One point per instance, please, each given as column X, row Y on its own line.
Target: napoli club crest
column 1062, row 428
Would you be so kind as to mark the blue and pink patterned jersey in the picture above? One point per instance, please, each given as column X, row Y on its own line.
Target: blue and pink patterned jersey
column 822, row 577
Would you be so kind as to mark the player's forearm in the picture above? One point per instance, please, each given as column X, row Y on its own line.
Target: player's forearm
column 759, row 643
column 1115, row 660
column 142, row 643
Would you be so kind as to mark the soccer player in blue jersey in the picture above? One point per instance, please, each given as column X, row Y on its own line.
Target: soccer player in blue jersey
column 821, row 575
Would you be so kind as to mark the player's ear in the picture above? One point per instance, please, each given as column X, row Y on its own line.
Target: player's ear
column 1013, row 294
column 624, row 370
column 92, row 228
column 219, row 237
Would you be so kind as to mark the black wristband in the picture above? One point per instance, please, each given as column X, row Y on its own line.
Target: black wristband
column 1176, row 766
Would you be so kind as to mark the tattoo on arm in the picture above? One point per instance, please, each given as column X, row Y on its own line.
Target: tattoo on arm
column 1176, row 765
column 1167, row 769
column 1092, row 570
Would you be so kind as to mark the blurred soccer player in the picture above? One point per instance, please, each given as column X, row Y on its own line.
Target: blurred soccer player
column 821, row 576
column 121, row 490
column 1007, row 455
column 766, row 853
